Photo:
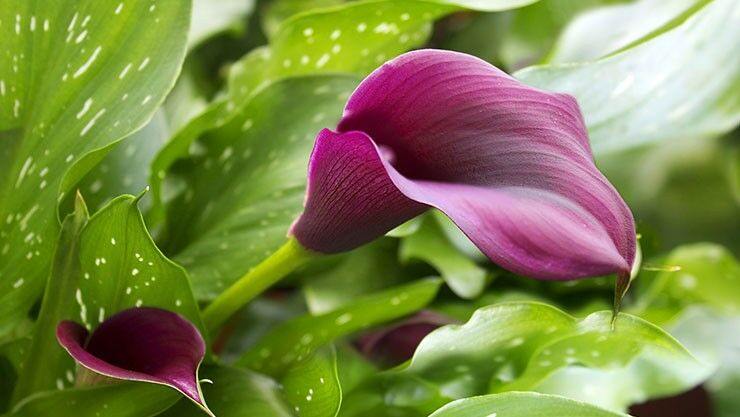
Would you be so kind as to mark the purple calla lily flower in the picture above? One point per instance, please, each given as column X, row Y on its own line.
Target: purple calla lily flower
column 141, row 344
column 511, row 165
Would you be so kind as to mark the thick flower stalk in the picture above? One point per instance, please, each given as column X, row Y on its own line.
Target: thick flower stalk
column 141, row 344
column 511, row 165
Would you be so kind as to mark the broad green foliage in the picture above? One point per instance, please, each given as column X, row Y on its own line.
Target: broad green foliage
column 242, row 191
column 709, row 275
column 125, row 170
column 655, row 90
column 370, row 268
column 235, row 392
column 73, row 78
column 521, row 404
column 531, row 31
column 211, row 17
column 316, row 42
column 109, row 266
column 127, row 399
column 429, row 244
column 122, row 268
column 593, row 35
column 293, row 340
column 515, row 346
column 45, row 362
column 312, row 385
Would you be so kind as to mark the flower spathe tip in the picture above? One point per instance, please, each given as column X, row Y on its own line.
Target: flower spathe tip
column 511, row 165
column 141, row 344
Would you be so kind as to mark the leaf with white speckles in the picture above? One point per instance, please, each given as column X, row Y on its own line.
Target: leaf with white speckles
column 236, row 392
column 111, row 266
column 74, row 77
column 351, row 38
column 679, row 84
column 125, row 170
column 243, row 191
column 517, row 346
column 521, row 404
column 295, row 339
column 312, row 385
column 123, row 268
column 45, row 362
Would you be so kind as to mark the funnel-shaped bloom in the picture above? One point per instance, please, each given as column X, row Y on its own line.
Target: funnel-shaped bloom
column 140, row 344
column 509, row 164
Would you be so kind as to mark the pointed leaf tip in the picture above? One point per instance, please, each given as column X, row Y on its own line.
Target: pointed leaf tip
column 141, row 344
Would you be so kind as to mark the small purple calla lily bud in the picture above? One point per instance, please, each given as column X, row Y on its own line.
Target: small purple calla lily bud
column 511, row 165
column 397, row 343
column 141, row 344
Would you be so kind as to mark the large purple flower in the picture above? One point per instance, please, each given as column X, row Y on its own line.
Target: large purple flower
column 509, row 164
column 141, row 344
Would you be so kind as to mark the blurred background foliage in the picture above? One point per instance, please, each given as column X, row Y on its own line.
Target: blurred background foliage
column 244, row 90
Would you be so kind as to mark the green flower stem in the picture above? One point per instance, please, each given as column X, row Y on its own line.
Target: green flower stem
column 285, row 260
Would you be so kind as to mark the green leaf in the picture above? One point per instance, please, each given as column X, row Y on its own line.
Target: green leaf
column 532, row 30
column 73, row 79
column 708, row 275
column 714, row 339
column 113, row 266
column 125, row 170
column 235, row 393
column 316, row 42
column 122, row 268
column 515, row 346
column 295, row 339
column 212, row 17
column 521, row 404
column 594, row 34
column 658, row 89
column 372, row 267
column 127, row 399
column 242, row 192
column 462, row 275
column 45, row 361
column 312, row 385
column 280, row 10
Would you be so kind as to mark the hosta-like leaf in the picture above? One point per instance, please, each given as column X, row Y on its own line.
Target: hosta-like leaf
column 44, row 362
column 429, row 244
column 521, row 404
column 312, row 385
column 211, row 17
column 514, row 346
column 236, row 393
column 242, row 191
column 709, row 275
column 125, row 170
column 128, row 399
column 593, row 35
column 123, row 268
column 113, row 265
column 293, row 340
column 367, row 269
column 682, row 83
column 73, row 78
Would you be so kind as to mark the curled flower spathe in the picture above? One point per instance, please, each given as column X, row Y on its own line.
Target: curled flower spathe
column 511, row 165
column 141, row 344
